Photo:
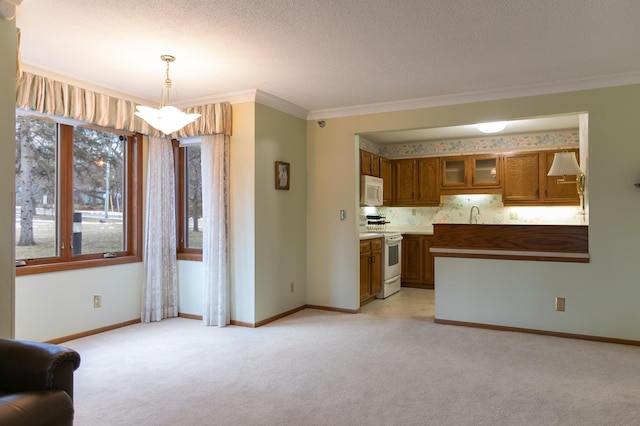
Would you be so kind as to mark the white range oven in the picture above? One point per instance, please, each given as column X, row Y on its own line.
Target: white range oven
column 392, row 267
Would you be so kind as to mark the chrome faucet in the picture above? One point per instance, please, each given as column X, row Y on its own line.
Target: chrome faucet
column 471, row 214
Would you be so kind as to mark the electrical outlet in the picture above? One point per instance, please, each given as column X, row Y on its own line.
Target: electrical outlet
column 292, row 287
column 97, row 301
column 560, row 302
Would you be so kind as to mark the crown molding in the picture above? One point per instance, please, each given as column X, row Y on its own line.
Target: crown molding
column 267, row 99
column 280, row 104
column 231, row 97
column 597, row 82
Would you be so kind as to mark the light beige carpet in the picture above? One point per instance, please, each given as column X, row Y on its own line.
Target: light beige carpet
column 327, row 368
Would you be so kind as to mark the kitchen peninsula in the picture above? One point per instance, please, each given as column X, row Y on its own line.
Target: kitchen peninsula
column 558, row 243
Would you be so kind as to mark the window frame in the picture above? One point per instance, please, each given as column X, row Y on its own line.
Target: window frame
column 182, row 252
column 65, row 260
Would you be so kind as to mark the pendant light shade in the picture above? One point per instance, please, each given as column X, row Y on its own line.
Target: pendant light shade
column 167, row 118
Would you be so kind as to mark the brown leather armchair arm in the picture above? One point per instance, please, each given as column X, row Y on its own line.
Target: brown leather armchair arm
column 29, row 366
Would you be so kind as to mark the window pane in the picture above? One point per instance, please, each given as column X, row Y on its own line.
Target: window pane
column 193, row 198
column 36, row 229
column 98, row 191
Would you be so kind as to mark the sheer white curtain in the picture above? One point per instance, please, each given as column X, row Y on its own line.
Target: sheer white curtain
column 160, row 286
column 215, row 245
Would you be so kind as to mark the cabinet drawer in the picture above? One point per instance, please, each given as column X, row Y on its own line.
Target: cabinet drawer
column 376, row 244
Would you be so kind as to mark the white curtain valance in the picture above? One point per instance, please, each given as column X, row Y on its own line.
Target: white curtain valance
column 51, row 97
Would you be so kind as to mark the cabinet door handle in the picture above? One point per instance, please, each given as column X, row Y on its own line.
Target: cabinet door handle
column 373, row 259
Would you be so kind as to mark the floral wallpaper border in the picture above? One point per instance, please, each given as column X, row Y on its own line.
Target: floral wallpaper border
column 560, row 139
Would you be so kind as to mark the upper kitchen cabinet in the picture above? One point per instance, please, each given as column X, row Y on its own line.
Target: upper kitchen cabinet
column 471, row 174
column 415, row 182
column 369, row 163
column 526, row 181
column 521, row 178
column 385, row 175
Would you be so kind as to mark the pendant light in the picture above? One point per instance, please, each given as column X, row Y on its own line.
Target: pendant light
column 167, row 119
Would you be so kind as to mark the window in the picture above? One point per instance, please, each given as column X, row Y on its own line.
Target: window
column 188, row 200
column 78, row 196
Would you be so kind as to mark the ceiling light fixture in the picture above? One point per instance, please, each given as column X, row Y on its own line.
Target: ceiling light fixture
column 167, row 119
column 491, row 127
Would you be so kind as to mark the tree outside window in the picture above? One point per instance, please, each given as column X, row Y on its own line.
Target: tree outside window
column 77, row 193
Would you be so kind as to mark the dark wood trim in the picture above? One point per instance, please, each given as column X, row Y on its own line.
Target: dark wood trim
column 190, row 316
column 92, row 332
column 75, row 264
column 199, row 317
column 516, row 242
column 196, row 257
column 415, row 285
column 487, row 255
column 539, row 332
column 548, row 238
column 277, row 317
column 329, row 308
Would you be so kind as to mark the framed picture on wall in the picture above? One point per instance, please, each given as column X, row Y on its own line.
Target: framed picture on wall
column 283, row 175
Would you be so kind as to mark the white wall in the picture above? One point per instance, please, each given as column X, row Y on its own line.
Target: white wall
column 601, row 296
column 7, row 167
column 59, row 304
column 190, row 287
column 280, row 214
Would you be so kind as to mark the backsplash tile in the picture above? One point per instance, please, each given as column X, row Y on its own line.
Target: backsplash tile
column 456, row 209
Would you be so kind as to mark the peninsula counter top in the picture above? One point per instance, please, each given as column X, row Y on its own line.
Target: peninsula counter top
column 556, row 243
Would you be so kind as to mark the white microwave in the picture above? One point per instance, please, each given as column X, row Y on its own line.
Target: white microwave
column 370, row 191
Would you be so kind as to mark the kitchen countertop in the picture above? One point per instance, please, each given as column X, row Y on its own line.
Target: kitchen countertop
column 370, row 235
column 423, row 230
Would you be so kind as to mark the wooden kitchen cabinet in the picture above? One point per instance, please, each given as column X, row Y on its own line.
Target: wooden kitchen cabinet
column 470, row 174
column 521, row 178
column 369, row 163
column 417, row 261
column 526, row 181
column 370, row 269
column 385, row 175
column 415, row 182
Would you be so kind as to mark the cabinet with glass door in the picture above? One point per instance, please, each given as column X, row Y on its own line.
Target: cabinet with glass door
column 470, row 173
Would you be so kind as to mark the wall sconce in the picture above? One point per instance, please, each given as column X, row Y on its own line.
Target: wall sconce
column 565, row 164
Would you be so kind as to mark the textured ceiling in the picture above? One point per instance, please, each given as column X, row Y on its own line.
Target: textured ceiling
column 327, row 54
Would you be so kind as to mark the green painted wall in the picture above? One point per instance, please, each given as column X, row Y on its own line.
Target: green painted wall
column 601, row 296
column 7, row 153
column 280, row 214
